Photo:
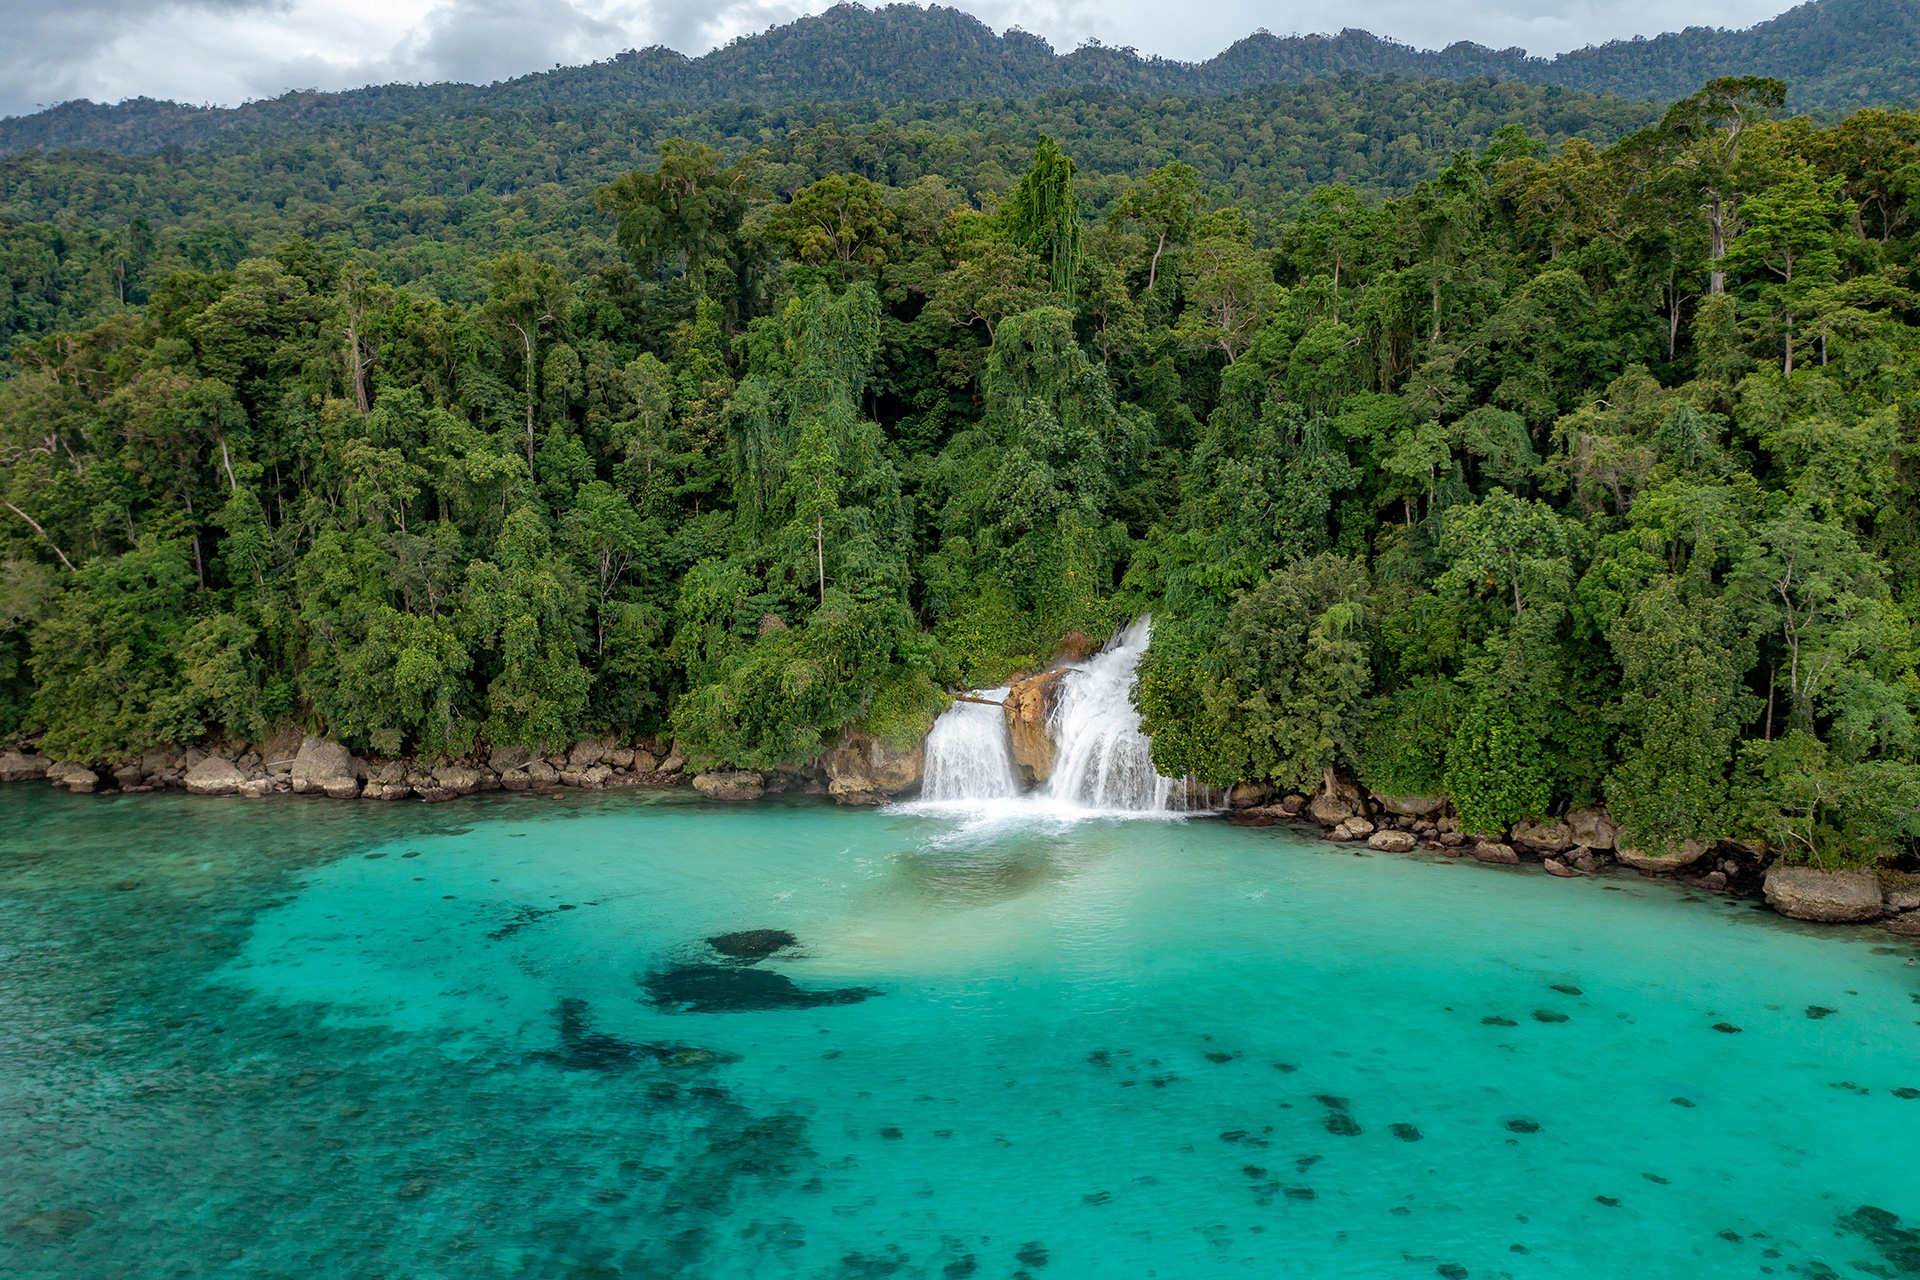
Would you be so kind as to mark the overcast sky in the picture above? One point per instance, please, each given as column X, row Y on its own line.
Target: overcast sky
column 227, row 51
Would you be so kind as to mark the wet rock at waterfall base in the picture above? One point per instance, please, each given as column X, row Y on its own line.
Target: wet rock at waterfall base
column 726, row 988
column 752, row 944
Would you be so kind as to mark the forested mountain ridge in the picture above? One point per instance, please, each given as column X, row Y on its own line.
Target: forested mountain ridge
column 1836, row 55
column 426, row 201
column 1565, row 475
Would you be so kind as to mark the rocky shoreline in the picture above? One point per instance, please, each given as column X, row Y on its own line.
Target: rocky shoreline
column 1588, row 842
column 858, row 769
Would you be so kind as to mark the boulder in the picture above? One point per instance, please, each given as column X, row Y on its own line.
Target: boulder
column 1392, row 841
column 129, row 775
column 399, row 790
column 1248, row 795
column 160, row 759
column 1029, row 707
column 587, row 754
column 320, row 764
column 1356, row 828
column 1489, row 851
column 861, row 764
column 256, row 788
column 1907, row 924
column 1293, row 806
column 1584, row 859
column 461, row 779
column 675, row 760
column 1547, row 836
column 1807, row 893
column 501, row 759
column 341, row 788
column 1335, row 800
column 214, row 776
column 644, row 762
column 81, row 781
column 1411, row 806
column 1901, row 889
column 739, row 784
column 1592, row 828
column 619, row 758
column 1688, row 853
column 16, row 766
column 280, row 751
column 1556, row 867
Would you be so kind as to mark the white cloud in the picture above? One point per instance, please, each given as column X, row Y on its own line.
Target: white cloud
column 227, row 51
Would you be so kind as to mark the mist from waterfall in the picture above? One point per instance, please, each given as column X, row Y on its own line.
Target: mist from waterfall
column 1103, row 762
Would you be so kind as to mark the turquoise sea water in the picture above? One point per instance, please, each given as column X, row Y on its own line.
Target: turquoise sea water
column 489, row 1039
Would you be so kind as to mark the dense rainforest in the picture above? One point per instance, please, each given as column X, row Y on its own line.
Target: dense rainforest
column 1836, row 55
column 1558, row 471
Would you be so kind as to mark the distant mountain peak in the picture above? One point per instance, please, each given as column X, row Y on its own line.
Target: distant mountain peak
column 1836, row 54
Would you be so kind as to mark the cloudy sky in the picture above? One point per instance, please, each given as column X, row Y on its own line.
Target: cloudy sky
column 227, row 51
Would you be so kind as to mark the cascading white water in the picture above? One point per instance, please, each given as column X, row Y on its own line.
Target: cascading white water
column 1102, row 763
column 967, row 753
column 1103, row 760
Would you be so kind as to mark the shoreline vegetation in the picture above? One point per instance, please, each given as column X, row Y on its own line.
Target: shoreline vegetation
column 1563, row 501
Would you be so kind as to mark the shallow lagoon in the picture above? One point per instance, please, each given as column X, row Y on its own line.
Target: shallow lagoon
column 310, row 1038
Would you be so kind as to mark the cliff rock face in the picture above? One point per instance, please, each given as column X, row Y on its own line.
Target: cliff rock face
column 861, row 769
column 1029, row 711
column 1809, row 894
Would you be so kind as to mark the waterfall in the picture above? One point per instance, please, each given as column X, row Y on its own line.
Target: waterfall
column 1104, row 761
column 967, row 754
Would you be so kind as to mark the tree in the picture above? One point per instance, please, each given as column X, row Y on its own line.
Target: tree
column 842, row 218
column 1167, row 206
column 1042, row 215
column 1704, row 134
column 526, row 295
column 687, row 209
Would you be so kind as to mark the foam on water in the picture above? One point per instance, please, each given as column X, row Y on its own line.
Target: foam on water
column 302, row 1037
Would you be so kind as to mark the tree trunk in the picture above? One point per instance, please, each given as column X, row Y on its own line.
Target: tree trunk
column 820, row 553
column 1717, row 244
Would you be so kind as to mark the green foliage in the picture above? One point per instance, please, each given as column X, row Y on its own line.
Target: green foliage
column 1448, row 452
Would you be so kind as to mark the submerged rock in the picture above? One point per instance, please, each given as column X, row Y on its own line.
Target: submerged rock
column 752, row 944
column 726, row 988
column 1806, row 893
column 1907, row 925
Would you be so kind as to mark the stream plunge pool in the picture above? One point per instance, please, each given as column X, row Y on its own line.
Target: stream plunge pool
column 303, row 1038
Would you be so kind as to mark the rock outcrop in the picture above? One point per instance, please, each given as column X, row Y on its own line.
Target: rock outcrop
column 1806, row 893
column 1491, row 851
column 861, row 769
column 1548, row 837
column 17, row 767
column 1593, row 828
column 322, row 765
column 1411, row 806
column 1685, row 855
column 735, row 785
column 215, row 776
column 1029, row 707
column 1335, row 800
column 1392, row 841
